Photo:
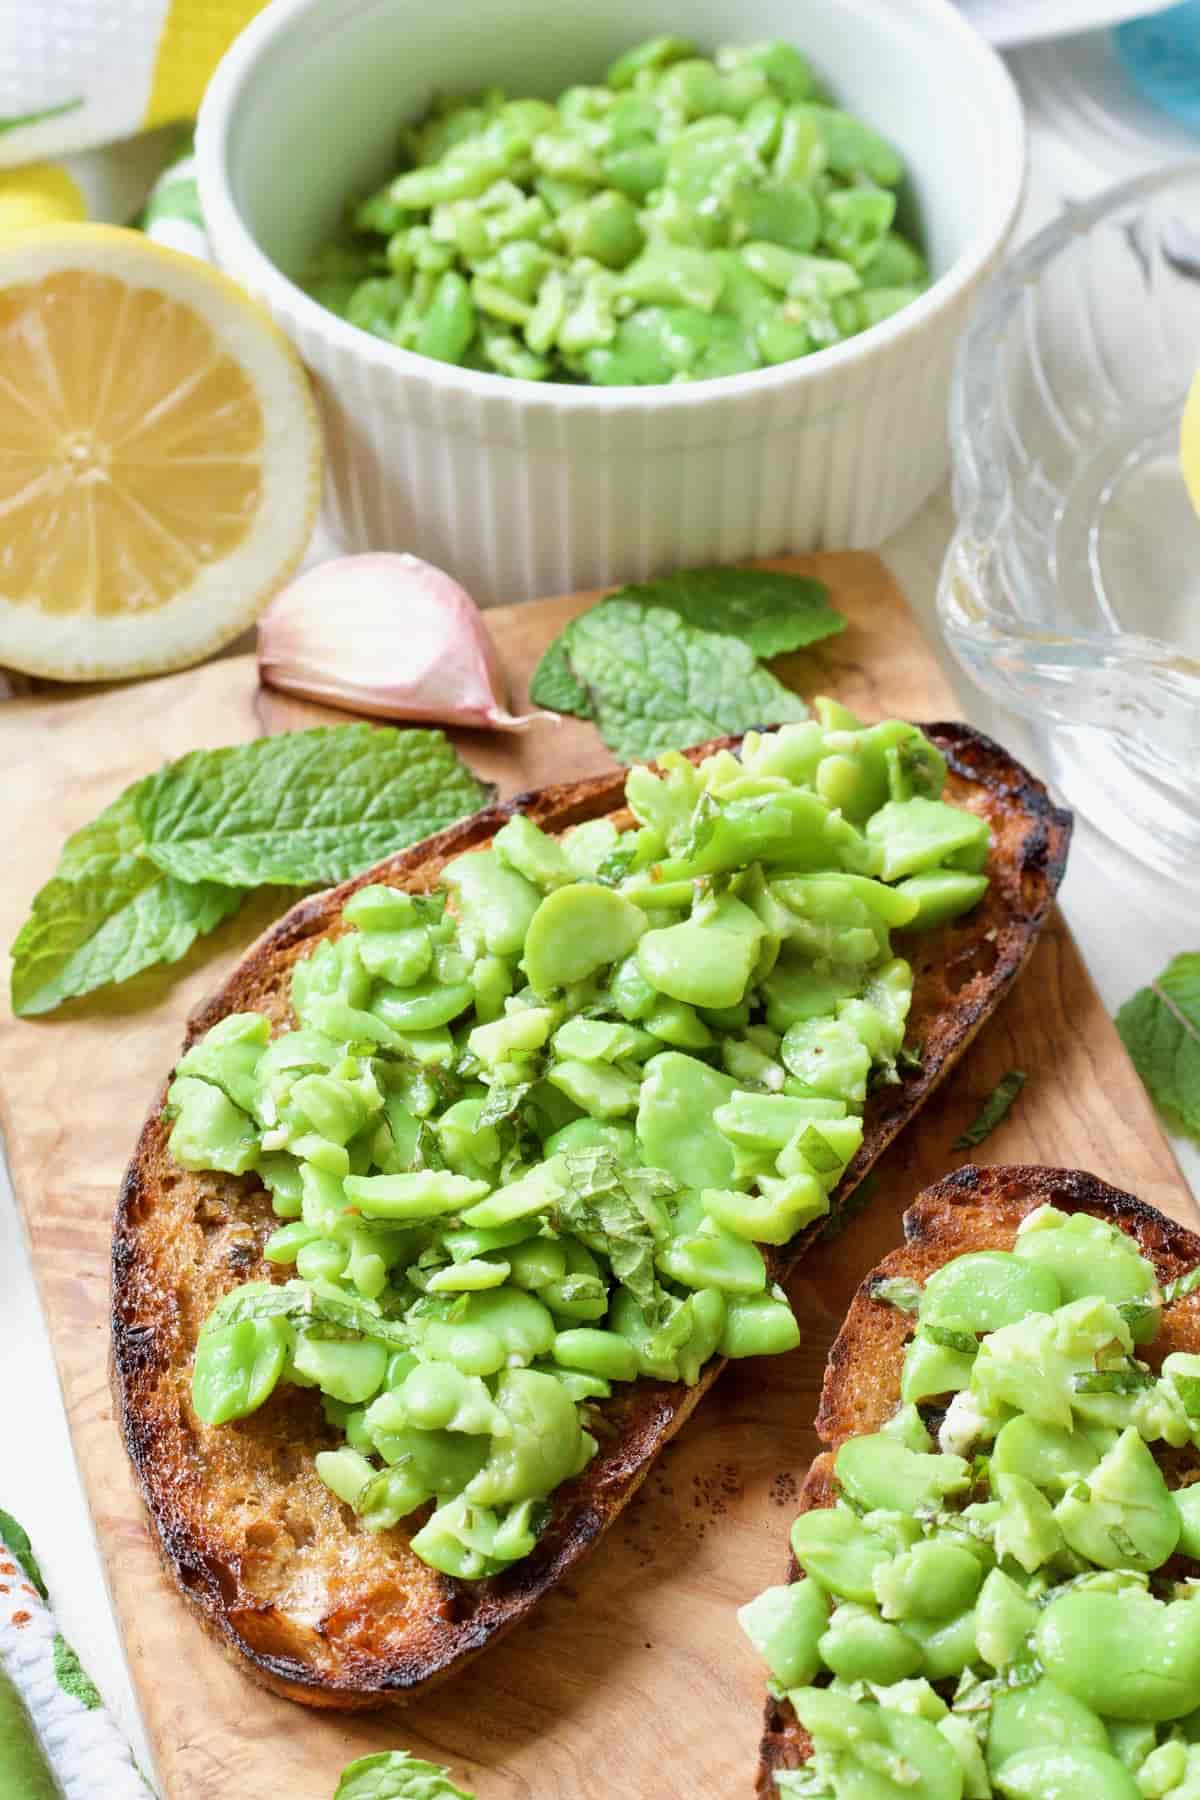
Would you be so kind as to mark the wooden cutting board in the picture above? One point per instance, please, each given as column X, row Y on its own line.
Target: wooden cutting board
column 633, row 1680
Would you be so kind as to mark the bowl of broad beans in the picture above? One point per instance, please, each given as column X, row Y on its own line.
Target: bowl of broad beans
column 588, row 292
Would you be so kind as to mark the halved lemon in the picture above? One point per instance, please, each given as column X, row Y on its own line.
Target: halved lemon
column 160, row 458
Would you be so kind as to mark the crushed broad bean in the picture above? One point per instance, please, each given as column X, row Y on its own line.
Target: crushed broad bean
column 1012, row 1625
column 525, row 1135
column 687, row 218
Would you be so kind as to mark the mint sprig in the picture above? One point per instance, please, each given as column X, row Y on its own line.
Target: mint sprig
column 1160, row 1028
column 175, row 854
column 305, row 807
column 625, row 665
column 655, row 683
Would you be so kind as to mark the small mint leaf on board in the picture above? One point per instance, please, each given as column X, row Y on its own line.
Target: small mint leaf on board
column 107, row 913
column 658, row 684
column 303, row 808
column 769, row 610
column 992, row 1112
column 555, row 684
column 1160, row 1028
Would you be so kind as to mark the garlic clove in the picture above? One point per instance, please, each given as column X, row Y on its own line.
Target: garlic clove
column 387, row 635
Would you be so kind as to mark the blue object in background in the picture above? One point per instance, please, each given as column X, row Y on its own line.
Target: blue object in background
column 1161, row 55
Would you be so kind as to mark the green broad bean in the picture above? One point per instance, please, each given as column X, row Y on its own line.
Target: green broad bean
column 399, row 957
column 417, row 1195
column 589, row 1352
column 601, row 1040
column 576, row 1384
column 435, row 1396
column 934, row 1580
column 345, row 1473
column 822, row 1149
column 495, row 903
column 521, row 1323
column 877, row 1472
column 522, row 846
column 796, row 992
column 919, row 834
column 586, row 846
column 859, row 1646
column 908, row 1428
column 237, row 1368
column 1125, row 1655
column 492, row 983
column 947, row 1647
column 542, row 1447
column 1004, row 1619
column 758, row 1325
column 987, row 1289
column 674, row 1022
column 1120, row 1515
column 347, row 1369
column 869, row 1744
column 1090, row 1257
column 228, row 1056
column 474, row 1276
column 829, row 1057
column 423, row 1006
column 1046, row 1772
column 576, row 931
column 598, row 1089
column 775, row 1215
column 836, row 1550
column 536, row 1263
column 522, row 1199
column 517, row 1033
column 675, row 1125
column 771, row 1121
column 785, row 1625
column 1026, row 1528
column 712, row 1257
column 931, row 1369
column 941, row 895
column 1049, row 1456
column 209, row 1131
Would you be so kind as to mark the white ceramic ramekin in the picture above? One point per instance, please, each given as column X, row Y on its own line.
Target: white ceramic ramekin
column 527, row 488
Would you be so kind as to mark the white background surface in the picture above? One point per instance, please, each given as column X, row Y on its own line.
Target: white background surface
column 1127, row 922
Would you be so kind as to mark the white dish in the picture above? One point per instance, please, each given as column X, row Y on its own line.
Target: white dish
column 1006, row 23
column 524, row 488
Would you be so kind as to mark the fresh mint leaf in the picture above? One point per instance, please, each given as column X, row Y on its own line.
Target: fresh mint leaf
column 306, row 807
column 555, row 684
column 769, row 611
column 308, row 1307
column 107, row 913
column 395, row 1775
column 602, row 1207
column 1160, row 1028
column 992, row 1111
column 659, row 684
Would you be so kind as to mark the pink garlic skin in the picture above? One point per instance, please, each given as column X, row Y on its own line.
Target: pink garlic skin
column 387, row 635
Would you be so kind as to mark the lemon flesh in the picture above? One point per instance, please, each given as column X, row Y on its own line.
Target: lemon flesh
column 159, row 456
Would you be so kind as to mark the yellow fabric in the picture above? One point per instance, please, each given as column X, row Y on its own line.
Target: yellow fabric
column 38, row 194
column 195, row 36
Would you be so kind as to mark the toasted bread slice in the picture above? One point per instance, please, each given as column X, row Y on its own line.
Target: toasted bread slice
column 321, row 1609
column 973, row 1209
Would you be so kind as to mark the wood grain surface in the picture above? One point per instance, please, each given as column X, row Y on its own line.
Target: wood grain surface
column 634, row 1679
